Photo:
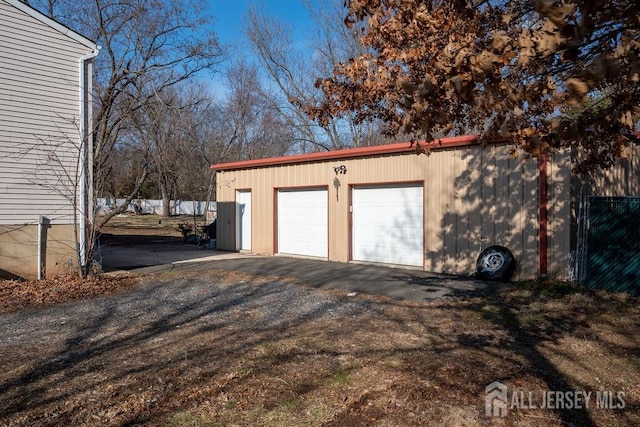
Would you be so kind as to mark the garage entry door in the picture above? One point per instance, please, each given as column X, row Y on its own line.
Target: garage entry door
column 388, row 224
column 303, row 222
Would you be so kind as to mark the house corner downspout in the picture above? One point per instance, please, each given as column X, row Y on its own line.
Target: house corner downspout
column 542, row 215
column 83, row 205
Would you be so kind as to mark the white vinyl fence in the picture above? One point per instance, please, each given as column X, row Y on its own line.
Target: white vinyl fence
column 154, row 207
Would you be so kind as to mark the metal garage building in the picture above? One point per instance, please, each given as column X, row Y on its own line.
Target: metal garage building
column 387, row 204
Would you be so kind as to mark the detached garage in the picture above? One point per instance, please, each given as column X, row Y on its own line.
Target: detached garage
column 387, row 204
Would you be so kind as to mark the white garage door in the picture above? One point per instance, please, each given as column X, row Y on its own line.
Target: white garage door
column 303, row 222
column 388, row 224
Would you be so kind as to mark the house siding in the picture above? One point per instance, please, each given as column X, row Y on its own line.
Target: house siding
column 39, row 109
column 39, row 138
column 473, row 197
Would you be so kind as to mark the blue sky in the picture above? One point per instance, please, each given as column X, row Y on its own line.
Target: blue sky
column 230, row 15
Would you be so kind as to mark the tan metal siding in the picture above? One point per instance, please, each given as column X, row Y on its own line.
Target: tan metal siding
column 466, row 237
column 226, row 221
column 470, row 193
column 447, row 183
column 623, row 179
column 471, row 181
column 486, row 162
column 39, row 107
column 559, row 210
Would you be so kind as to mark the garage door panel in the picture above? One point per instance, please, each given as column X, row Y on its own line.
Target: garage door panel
column 388, row 224
column 303, row 222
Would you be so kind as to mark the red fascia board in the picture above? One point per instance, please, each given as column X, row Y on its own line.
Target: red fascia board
column 349, row 153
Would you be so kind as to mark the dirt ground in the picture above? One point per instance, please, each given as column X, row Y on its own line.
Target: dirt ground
column 140, row 229
column 220, row 348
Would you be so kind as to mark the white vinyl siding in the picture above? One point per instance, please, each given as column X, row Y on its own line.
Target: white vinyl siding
column 39, row 110
column 303, row 222
column 388, row 224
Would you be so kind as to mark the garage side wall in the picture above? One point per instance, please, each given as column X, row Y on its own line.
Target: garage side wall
column 622, row 180
column 473, row 198
column 559, row 214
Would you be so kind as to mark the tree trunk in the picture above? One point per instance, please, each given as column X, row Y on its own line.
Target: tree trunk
column 166, row 200
column 118, row 209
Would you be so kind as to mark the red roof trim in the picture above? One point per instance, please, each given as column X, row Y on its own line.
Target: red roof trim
column 402, row 147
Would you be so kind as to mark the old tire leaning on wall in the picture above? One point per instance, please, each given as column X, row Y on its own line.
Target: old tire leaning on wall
column 495, row 263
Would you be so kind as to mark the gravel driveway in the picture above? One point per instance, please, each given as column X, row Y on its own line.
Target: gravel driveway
column 83, row 344
column 190, row 348
column 171, row 303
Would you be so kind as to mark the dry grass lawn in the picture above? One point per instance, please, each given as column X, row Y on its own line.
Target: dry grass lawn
column 393, row 364
column 140, row 228
column 356, row 361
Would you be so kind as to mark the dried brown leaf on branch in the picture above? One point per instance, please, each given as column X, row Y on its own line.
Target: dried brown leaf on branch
column 577, row 90
column 478, row 62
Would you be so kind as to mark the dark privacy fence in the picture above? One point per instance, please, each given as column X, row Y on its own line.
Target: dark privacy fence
column 611, row 252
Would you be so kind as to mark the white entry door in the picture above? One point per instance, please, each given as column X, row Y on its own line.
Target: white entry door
column 303, row 222
column 388, row 225
column 243, row 220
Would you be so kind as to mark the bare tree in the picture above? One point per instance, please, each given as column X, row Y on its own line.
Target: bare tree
column 210, row 133
column 147, row 48
column 155, row 127
column 180, row 133
column 332, row 42
column 125, row 167
column 62, row 170
column 292, row 72
column 174, row 128
column 257, row 128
